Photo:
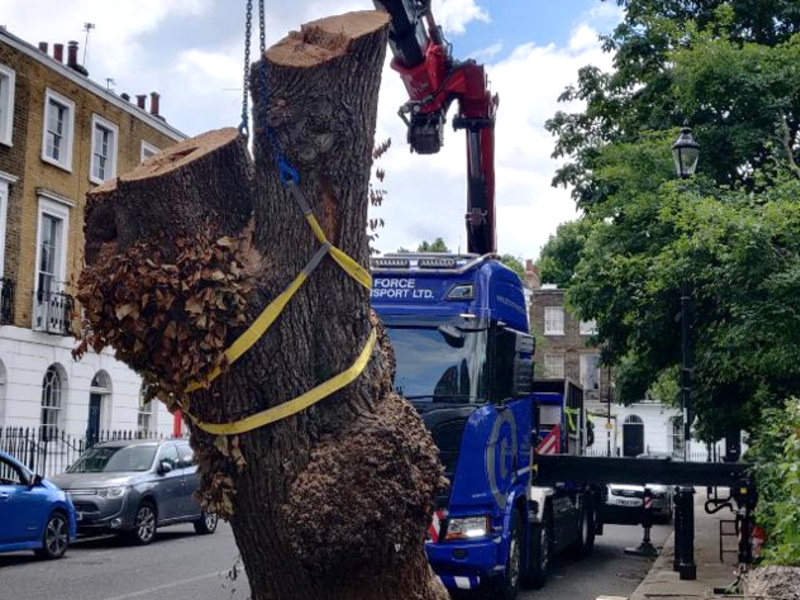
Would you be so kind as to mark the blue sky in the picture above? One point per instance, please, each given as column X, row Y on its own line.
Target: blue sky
column 191, row 52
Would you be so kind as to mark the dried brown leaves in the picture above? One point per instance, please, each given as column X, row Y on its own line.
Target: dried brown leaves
column 170, row 320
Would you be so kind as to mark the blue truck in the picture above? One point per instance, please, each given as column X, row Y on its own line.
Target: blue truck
column 459, row 328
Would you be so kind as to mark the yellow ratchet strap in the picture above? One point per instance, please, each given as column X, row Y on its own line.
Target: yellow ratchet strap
column 263, row 322
column 351, row 267
column 267, row 317
column 291, row 407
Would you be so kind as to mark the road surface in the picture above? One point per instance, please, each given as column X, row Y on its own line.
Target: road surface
column 181, row 565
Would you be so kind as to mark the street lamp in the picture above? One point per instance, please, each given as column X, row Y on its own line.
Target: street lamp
column 685, row 152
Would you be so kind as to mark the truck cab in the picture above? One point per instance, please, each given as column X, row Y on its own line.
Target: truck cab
column 464, row 359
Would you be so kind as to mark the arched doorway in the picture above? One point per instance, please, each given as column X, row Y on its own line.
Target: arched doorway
column 632, row 436
column 99, row 392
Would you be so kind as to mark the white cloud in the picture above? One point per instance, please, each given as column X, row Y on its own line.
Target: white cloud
column 455, row 15
column 427, row 194
column 187, row 50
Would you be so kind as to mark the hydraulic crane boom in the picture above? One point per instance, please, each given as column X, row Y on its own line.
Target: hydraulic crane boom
column 434, row 79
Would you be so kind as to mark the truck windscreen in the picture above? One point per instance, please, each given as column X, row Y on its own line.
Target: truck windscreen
column 440, row 364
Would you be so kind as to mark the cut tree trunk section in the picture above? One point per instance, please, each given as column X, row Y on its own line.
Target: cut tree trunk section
column 333, row 502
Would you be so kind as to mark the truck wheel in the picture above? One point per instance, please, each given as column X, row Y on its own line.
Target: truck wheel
column 584, row 543
column 510, row 583
column 541, row 552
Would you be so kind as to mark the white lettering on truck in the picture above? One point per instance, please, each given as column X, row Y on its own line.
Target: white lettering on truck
column 399, row 289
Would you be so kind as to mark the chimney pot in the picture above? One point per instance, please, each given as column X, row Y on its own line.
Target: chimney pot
column 155, row 97
column 43, row 47
column 58, row 52
column 72, row 54
column 140, row 100
column 125, row 96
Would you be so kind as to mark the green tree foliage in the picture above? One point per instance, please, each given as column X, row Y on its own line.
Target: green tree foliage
column 561, row 252
column 436, row 245
column 514, row 263
column 733, row 232
column 729, row 97
column 776, row 454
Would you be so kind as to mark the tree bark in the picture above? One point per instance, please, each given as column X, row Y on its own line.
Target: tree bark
column 334, row 501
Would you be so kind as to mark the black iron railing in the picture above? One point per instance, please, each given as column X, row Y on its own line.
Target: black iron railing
column 6, row 301
column 49, row 452
column 53, row 312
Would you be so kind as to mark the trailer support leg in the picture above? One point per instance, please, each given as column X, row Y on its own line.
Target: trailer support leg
column 646, row 548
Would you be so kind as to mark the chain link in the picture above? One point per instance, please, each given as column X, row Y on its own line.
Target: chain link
column 262, row 24
column 244, row 128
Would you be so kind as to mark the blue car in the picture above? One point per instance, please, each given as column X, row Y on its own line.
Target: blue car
column 34, row 513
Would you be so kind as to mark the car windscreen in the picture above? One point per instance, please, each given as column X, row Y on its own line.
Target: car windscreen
column 440, row 364
column 109, row 459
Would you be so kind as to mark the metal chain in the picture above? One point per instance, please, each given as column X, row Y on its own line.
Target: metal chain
column 262, row 23
column 244, row 128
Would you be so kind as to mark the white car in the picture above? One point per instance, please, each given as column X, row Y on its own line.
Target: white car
column 623, row 503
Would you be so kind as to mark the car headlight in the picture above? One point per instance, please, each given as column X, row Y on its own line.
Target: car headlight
column 467, row 528
column 111, row 492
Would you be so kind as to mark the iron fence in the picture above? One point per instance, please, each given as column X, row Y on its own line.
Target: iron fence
column 51, row 454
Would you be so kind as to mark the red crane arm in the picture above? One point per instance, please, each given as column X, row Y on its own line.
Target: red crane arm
column 434, row 80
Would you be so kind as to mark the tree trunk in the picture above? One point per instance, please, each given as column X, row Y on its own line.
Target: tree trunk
column 334, row 501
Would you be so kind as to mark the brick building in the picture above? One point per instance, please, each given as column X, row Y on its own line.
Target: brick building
column 60, row 134
column 563, row 349
column 563, row 341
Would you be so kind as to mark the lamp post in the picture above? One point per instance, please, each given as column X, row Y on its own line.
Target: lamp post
column 685, row 152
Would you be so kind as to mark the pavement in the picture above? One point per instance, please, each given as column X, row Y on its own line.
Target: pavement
column 663, row 582
column 607, row 570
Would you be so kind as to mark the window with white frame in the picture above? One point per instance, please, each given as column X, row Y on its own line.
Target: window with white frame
column 7, row 84
column 148, row 150
column 553, row 320
column 588, row 327
column 51, row 264
column 59, row 125
column 105, row 135
column 554, row 365
column 51, row 404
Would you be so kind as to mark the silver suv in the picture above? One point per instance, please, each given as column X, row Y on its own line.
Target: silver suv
column 134, row 487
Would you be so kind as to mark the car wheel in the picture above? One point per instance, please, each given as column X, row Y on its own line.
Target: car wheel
column 541, row 552
column 510, row 582
column 145, row 524
column 206, row 524
column 55, row 539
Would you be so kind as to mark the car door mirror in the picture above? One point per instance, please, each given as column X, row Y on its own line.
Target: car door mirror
column 164, row 467
column 35, row 481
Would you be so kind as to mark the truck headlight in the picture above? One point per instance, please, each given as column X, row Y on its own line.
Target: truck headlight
column 467, row 528
column 111, row 492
